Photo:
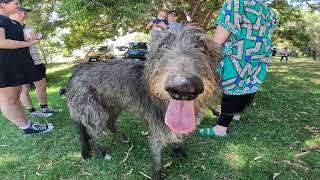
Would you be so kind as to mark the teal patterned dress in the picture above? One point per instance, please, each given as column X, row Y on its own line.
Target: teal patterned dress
column 248, row 49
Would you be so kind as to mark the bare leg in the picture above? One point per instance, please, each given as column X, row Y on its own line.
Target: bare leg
column 25, row 97
column 156, row 148
column 41, row 91
column 11, row 106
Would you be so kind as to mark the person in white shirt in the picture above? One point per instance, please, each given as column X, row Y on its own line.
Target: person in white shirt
column 41, row 86
column 284, row 54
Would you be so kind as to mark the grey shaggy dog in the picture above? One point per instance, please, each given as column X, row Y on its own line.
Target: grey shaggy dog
column 180, row 67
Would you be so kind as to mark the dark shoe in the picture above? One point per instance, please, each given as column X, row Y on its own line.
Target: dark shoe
column 36, row 128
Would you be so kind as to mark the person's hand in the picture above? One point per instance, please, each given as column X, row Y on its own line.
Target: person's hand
column 162, row 25
column 33, row 42
column 30, row 37
column 150, row 25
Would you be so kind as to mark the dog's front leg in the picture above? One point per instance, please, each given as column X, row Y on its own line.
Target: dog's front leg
column 156, row 148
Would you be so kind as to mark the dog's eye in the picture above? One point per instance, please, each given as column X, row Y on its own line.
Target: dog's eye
column 200, row 46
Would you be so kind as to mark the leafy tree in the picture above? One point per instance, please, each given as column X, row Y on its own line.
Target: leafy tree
column 313, row 29
column 291, row 30
column 93, row 21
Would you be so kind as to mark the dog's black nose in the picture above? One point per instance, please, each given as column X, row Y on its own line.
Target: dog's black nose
column 184, row 88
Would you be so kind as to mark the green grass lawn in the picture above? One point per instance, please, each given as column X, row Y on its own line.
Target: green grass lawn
column 274, row 138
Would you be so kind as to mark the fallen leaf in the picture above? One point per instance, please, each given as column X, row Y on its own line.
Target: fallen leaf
column 85, row 174
column 167, row 165
column 145, row 175
column 275, row 175
column 313, row 148
column 302, row 154
column 38, row 174
column 297, row 165
column 312, row 129
column 145, row 133
column 297, row 142
column 305, row 113
column 257, row 158
column 184, row 177
column 130, row 172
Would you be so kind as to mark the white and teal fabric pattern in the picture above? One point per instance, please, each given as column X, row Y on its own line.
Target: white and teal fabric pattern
column 248, row 49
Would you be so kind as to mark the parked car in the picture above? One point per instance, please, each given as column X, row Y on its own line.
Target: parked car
column 119, row 51
column 99, row 53
column 137, row 51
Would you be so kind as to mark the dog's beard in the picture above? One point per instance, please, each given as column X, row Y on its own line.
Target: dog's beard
column 180, row 115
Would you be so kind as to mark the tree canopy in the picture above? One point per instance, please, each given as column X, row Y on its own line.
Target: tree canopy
column 93, row 21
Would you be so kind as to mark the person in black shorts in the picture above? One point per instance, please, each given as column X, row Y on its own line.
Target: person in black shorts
column 16, row 69
column 41, row 86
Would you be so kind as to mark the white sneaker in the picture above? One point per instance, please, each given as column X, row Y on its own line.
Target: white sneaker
column 41, row 114
column 51, row 110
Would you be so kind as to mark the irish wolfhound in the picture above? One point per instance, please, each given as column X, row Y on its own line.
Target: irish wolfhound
column 167, row 91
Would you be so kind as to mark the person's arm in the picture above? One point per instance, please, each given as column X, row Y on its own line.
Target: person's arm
column 221, row 35
column 149, row 26
column 12, row 44
column 162, row 25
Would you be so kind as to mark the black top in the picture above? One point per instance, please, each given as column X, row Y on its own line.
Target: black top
column 14, row 31
column 158, row 21
column 16, row 65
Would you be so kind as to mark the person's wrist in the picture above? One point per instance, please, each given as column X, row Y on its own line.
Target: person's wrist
column 30, row 43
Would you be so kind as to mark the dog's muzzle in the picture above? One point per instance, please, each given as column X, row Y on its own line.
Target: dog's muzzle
column 184, row 88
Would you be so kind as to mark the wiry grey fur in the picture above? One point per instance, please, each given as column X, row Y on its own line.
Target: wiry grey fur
column 99, row 92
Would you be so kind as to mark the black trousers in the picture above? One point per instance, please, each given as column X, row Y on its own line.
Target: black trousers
column 232, row 105
column 284, row 57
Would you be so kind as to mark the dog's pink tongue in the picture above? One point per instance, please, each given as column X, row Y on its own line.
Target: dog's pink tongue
column 180, row 116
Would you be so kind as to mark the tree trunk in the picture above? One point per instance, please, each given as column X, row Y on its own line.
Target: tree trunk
column 208, row 18
column 196, row 9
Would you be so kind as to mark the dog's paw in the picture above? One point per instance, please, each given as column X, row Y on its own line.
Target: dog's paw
column 86, row 155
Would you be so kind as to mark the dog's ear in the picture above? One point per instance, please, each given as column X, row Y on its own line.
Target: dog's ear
column 215, row 54
column 204, row 41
